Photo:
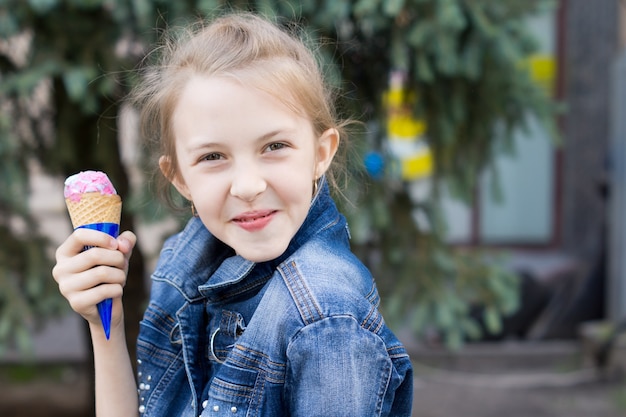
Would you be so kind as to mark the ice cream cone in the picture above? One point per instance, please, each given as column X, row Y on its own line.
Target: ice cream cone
column 93, row 203
column 95, row 208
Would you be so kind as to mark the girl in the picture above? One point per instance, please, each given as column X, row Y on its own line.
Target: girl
column 258, row 307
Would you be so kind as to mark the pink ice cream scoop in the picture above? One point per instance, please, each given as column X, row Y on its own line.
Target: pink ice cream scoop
column 87, row 182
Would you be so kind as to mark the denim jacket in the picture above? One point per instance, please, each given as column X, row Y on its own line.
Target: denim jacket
column 297, row 336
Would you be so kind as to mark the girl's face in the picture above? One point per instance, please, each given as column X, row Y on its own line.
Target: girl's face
column 247, row 163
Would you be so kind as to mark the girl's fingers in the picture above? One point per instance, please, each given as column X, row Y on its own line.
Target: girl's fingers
column 82, row 238
column 96, row 276
column 87, row 277
column 126, row 242
column 86, row 301
column 87, row 260
column 72, row 257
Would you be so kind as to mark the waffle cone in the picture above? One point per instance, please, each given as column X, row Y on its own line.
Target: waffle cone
column 95, row 208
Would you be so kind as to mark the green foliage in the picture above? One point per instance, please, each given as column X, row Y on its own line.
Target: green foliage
column 619, row 397
column 27, row 373
column 464, row 60
column 24, row 296
column 446, row 295
column 465, row 64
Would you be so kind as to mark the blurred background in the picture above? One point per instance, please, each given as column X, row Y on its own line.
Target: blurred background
column 486, row 190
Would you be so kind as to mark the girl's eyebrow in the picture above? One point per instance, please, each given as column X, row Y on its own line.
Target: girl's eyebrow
column 199, row 145
column 270, row 135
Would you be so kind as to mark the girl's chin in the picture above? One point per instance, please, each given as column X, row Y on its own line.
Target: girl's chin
column 259, row 255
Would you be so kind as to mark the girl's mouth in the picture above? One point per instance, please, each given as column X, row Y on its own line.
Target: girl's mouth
column 254, row 221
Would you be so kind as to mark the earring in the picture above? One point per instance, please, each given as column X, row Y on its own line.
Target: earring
column 194, row 213
column 315, row 185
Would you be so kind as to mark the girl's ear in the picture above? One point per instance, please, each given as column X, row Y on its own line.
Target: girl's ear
column 165, row 164
column 326, row 147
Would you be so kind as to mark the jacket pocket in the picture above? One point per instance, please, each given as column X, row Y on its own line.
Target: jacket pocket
column 159, row 336
column 234, row 391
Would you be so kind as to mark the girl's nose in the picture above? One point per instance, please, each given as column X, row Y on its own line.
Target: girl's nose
column 247, row 183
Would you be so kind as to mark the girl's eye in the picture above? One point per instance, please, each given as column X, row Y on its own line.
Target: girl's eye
column 275, row 146
column 212, row 157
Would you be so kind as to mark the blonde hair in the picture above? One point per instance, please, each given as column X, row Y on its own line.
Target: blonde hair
column 251, row 48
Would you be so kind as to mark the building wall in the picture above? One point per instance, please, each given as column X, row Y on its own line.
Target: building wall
column 591, row 32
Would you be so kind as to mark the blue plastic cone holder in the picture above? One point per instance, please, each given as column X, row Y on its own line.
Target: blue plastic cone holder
column 104, row 307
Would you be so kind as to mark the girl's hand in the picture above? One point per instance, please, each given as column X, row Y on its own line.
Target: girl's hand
column 87, row 277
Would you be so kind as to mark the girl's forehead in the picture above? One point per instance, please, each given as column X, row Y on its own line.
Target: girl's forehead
column 274, row 86
column 219, row 106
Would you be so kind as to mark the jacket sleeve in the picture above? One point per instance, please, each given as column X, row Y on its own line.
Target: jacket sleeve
column 337, row 368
